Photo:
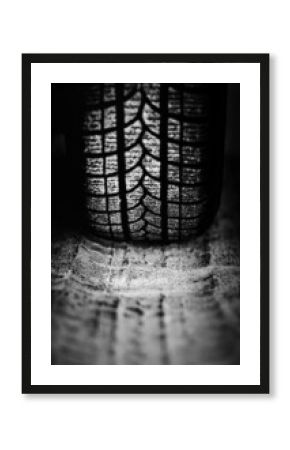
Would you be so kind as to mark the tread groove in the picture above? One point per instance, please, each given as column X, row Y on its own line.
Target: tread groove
column 163, row 159
column 121, row 162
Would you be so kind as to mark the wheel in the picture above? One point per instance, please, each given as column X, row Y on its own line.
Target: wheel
column 153, row 157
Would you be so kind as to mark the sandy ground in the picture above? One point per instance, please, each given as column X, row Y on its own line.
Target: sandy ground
column 126, row 304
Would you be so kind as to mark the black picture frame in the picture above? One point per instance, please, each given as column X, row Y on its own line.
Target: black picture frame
column 263, row 61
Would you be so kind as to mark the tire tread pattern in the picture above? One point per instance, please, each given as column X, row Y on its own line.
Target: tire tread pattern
column 152, row 169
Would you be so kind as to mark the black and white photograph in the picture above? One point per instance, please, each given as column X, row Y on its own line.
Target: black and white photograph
column 145, row 223
column 149, row 235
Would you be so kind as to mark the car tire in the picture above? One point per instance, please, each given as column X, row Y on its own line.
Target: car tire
column 153, row 159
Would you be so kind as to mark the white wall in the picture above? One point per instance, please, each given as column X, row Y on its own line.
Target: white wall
column 74, row 422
